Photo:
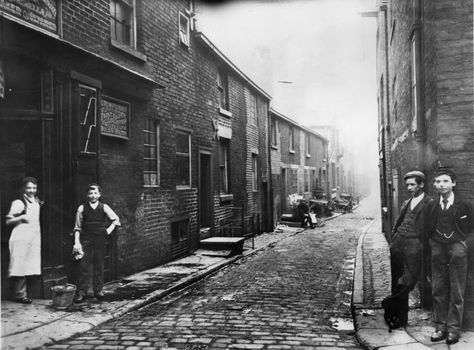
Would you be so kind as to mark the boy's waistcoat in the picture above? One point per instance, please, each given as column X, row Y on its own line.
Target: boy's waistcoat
column 94, row 221
column 462, row 213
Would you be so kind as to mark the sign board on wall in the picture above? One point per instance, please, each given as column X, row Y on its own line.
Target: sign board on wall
column 42, row 14
column 115, row 117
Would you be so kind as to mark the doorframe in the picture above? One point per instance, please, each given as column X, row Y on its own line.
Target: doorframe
column 208, row 152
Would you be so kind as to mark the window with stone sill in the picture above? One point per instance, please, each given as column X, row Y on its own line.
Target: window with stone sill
column 224, row 155
column 183, row 159
column 274, row 132
column 292, row 139
column 184, row 29
column 222, row 87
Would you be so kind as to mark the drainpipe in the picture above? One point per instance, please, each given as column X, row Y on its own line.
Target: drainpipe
column 416, row 34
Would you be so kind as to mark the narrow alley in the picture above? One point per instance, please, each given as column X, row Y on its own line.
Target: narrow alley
column 294, row 295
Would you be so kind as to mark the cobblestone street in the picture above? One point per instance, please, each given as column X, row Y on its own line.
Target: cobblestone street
column 292, row 295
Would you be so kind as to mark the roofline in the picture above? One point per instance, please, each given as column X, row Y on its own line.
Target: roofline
column 288, row 119
column 228, row 62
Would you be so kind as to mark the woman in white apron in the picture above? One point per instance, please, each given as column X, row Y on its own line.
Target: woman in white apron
column 25, row 240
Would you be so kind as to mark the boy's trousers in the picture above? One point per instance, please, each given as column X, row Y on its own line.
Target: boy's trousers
column 449, row 273
column 93, row 248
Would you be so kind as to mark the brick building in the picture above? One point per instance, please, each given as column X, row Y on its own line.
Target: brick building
column 425, row 98
column 335, row 156
column 126, row 93
column 298, row 163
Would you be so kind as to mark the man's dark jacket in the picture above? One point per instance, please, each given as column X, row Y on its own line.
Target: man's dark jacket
column 463, row 218
column 420, row 217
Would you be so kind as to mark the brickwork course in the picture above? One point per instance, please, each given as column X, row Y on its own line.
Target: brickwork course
column 293, row 295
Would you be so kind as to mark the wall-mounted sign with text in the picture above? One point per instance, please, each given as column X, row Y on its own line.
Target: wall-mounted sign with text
column 42, row 14
column 114, row 117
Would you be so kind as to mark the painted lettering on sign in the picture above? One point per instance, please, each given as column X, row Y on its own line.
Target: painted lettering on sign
column 40, row 13
column 115, row 115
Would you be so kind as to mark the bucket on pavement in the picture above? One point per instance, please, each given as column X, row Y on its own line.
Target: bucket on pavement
column 63, row 295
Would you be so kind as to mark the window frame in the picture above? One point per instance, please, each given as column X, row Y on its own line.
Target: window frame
column 254, row 172
column 307, row 180
column 187, row 33
column 181, row 154
column 308, row 145
column 156, row 131
column 224, row 167
column 274, row 132
column 223, row 88
column 291, row 137
column 181, row 225
column 253, row 114
column 131, row 4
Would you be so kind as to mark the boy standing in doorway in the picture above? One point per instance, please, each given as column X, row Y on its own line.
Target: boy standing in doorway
column 94, row 221
column 450, row 224
column 406, row 245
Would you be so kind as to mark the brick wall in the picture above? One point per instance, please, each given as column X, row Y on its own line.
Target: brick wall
column 446, row 34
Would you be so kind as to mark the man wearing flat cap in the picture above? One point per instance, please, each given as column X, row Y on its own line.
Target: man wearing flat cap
column 406, row 245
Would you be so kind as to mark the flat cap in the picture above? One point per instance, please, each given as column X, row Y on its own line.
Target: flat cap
column 414, row 173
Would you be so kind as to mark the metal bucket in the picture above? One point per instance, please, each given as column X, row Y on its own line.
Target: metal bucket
column 63, row 295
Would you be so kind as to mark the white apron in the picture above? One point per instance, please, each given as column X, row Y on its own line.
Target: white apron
column 25, row 241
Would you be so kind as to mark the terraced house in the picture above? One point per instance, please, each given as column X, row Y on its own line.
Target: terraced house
column 299, row 163
column 128, row 94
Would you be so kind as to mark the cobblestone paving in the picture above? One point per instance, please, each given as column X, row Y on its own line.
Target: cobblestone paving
column 286, row 297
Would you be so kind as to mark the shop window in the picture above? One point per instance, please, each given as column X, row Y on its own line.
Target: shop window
column 254, row 172
column 224, row 165
column 183, row 159
column 179, row 231
column 183, row 29
column 151, row 147
column 88, row 119
column 122, row 22
column 222, row 86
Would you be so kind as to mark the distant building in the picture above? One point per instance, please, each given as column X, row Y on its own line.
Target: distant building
column 298, row 161
column 334, row 159
column 425, row 99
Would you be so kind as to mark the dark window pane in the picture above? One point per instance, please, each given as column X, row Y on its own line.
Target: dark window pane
column 182, row 171
column 182, row 143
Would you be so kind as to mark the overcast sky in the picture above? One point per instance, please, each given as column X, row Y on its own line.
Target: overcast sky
column 323, row 48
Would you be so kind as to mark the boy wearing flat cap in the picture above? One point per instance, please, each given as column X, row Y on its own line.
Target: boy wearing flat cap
column 407, row 242
column 450, row 226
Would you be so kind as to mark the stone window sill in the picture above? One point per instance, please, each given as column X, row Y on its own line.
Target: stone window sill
column 226, row 197
column 127, row 49
column 225, row 112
